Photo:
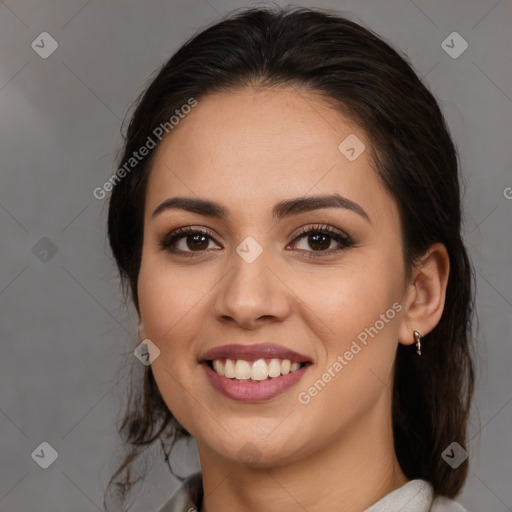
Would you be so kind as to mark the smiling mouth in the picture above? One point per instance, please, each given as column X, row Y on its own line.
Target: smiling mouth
column 258, row 370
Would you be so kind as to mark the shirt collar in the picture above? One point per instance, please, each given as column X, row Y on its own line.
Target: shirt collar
column 414, row 496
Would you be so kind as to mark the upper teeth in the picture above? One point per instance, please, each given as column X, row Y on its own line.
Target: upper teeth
column 257, row 370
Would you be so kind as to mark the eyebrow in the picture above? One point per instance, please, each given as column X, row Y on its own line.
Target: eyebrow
column 280, row 210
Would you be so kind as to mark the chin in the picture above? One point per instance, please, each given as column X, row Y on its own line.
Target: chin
column 258, row 450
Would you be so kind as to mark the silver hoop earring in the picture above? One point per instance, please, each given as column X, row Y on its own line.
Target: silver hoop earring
column 418, row 337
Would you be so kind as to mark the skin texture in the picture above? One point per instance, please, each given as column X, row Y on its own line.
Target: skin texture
column 248, row 150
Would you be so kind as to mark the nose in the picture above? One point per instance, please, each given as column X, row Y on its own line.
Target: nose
column 252, row 294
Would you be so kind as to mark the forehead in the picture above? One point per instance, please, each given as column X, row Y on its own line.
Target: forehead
column 253, row 147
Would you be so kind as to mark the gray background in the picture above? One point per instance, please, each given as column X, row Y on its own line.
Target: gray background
column 66, row 335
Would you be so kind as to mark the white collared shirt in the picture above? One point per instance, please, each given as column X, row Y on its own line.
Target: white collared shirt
column 414, row 496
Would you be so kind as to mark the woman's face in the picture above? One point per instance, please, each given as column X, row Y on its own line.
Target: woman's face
column 254, row 284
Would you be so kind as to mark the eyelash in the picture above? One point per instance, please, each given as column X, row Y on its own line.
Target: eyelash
column 169, row 239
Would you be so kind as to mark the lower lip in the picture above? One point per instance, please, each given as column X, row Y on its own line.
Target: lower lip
column 250, row 390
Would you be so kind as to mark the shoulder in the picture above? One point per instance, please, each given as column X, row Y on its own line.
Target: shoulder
column 188, row 498
column 444, row 504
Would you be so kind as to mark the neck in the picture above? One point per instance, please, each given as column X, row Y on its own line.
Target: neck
column 348, row 475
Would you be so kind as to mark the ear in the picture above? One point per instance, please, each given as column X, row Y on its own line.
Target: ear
column 425, row 294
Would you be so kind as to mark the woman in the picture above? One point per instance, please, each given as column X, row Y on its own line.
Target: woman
column 287, row 217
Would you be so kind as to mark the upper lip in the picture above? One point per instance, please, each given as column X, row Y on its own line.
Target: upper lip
column 253, row 352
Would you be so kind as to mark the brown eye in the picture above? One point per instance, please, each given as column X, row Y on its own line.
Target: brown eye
column 319, row 240
column 186, row 240
column 316, row 242
column 198, row 241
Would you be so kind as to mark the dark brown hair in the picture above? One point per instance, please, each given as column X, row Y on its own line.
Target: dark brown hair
column 416, row 160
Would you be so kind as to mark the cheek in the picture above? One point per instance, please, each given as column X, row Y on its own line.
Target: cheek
column 361, row 309
column 354, row 298
column 168, row 301
column 169, row 305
